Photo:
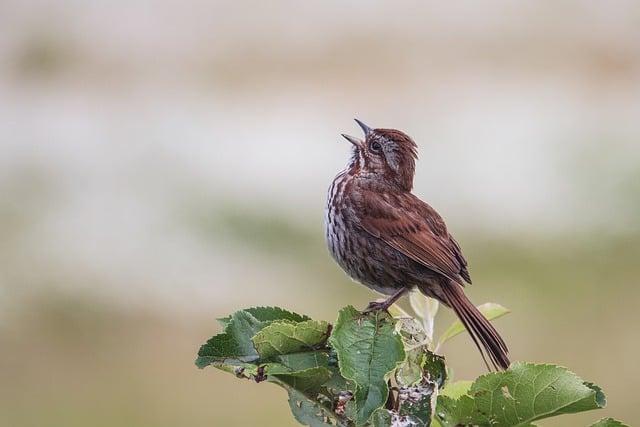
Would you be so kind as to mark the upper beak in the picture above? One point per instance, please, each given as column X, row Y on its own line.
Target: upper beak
column 366, row 129
column 352, row 139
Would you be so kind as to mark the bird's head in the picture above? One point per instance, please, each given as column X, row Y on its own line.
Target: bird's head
column 387, row 154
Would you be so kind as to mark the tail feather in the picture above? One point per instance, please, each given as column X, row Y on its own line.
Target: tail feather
column 480, row 329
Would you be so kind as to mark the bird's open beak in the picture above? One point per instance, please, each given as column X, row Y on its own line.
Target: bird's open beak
column 352, row 139
column 355, row 141
column 366, row 129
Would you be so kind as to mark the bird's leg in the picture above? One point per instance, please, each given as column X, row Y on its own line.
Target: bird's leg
column 384, row 305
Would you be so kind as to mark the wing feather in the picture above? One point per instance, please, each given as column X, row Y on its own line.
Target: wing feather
column 414, row 228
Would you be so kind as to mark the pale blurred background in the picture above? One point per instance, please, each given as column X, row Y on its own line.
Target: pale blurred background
column 163, row 164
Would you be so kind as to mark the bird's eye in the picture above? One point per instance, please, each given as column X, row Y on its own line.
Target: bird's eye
column 375, row 147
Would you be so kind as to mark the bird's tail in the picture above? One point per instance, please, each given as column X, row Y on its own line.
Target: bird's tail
column 480, row 329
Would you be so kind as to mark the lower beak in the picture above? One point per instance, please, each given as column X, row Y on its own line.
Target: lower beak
column 352, row 139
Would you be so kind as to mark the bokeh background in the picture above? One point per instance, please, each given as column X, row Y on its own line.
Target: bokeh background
column 165, row 163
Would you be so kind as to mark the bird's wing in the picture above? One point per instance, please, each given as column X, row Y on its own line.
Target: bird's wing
column 414, row 228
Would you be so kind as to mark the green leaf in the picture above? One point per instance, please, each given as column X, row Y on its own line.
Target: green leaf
column 420, row 363
column 234, row 346
column 338, row 385
column 609, row 422
column 309, row 412
column 280, row 338
column 382, row 418
column 398, row 312
column 490, row 310
column 462, row 411
column 309, row 380
column 302, row 361
column 412, row 333
column 346, row 384
column 435, row 369
column 525, row 393
column 417, row 402
column 268, row 314
column 456, row 389
column 410, row 371
column 587, row 403
column 368, row 350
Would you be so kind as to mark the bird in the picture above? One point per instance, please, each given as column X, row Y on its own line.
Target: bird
column 388, row 239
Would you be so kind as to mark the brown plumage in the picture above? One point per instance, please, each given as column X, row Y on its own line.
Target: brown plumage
column 391, row 241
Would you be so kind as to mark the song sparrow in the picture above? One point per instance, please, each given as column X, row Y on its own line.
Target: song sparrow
column 391, row 241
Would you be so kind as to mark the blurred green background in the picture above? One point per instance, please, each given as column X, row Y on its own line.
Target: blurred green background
column 165, row 163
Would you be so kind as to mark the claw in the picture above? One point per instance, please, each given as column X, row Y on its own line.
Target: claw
column 376, row 306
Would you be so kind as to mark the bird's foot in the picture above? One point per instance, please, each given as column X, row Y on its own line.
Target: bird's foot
column 377, row 306
column 385, row 304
